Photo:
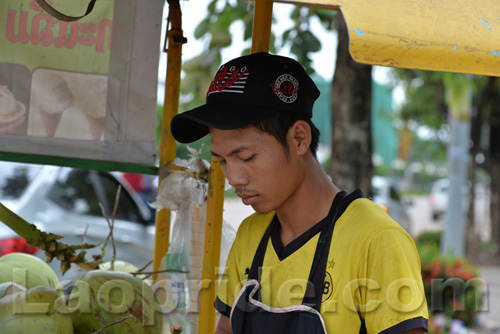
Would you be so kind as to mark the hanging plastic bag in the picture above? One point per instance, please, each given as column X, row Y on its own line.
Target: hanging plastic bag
column 179, row 192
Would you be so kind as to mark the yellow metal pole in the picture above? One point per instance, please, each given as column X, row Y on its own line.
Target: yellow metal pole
column 211, row 256
column 262, row 21
column 175, row 39
column 215, row 202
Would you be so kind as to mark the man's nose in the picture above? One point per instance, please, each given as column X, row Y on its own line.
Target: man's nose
column 235, row 176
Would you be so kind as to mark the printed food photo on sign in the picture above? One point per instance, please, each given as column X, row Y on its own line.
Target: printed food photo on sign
column 68, row 105
column 13, row 99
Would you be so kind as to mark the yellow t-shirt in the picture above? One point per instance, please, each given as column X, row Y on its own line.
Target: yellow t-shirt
column 372, row 274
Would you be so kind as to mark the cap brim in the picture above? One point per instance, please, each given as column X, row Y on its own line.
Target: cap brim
column 192, row 125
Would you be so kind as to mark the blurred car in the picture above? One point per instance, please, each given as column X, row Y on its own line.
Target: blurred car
column 386, row 195
column 66, row 201
column 10, row 242
column 438, row 198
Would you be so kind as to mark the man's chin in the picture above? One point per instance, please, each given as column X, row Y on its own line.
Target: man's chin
column 260, row 209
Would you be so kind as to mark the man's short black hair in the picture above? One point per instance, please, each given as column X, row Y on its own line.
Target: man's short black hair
column 281, row 121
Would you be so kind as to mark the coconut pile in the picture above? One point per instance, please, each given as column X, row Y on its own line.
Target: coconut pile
column 32, row 300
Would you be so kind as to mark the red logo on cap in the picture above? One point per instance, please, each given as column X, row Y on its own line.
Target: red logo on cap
column 229, row 80
column 286, row 87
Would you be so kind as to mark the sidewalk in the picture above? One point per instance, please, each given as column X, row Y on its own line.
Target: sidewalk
column 489, row 320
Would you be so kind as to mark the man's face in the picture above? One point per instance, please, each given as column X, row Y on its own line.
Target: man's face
column 256, row 165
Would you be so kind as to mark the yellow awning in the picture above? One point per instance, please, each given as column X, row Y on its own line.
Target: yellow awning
column 451, row 36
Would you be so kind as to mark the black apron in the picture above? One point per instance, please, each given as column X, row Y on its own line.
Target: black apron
column 250, row 316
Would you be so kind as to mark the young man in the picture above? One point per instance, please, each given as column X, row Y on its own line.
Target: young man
column 312, row 259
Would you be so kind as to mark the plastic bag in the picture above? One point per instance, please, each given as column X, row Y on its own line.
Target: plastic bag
column 179, row 192
column 185, row 195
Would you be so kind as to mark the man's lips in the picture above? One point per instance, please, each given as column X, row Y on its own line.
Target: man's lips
column 248, row 199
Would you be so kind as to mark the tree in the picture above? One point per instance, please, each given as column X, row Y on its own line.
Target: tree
column 351, row 164
column 485, row 137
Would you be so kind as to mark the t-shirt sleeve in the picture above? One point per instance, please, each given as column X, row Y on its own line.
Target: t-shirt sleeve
column 239, row 260
column 229, row 282
column 392, row 298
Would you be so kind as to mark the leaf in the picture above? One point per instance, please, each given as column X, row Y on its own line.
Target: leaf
column 325, row 16
column 211, row 9
column 286, row 36
column 311, row 43
column 202, row 28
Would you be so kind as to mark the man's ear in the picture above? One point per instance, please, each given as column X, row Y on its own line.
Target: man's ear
column 300, row 137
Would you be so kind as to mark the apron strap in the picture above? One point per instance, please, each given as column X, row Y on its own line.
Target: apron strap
column 314, row 290
column 258, row 259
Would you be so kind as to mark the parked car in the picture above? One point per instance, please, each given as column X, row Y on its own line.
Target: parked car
column 439, row 201
column 66, row 201
column 387, row 196
column 438, row 198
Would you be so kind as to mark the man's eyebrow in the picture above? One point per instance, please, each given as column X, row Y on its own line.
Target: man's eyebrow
column 233, row 152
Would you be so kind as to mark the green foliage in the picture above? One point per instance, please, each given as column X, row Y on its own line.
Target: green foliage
column 214, row 30
column 202, row 28
column 430, row 96
column 451, row 285
column 159, row 117
column 15, row 185
column 203, row 144
column 430, row 238
column 458, row 87
column 425, row 97
column 489, row 246
column 300, row 36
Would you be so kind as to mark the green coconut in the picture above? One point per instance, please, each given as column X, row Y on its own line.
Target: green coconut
column 27, row 270
column 38, row 310
column 102, row 297
column 9, row 288
column 125, row 267
column 119, row 266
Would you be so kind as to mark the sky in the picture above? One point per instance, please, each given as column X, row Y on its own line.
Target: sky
column 193, row 11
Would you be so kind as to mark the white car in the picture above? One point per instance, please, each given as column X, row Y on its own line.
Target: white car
column 65, row 201
column 438, row 198
column 387, row 196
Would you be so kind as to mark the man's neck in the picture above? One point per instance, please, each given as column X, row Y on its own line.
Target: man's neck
column 309, row 205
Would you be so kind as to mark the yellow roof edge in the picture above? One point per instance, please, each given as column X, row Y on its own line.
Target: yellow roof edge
column 447, row 35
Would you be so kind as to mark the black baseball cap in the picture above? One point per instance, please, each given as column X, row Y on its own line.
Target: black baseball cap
column 246, row 90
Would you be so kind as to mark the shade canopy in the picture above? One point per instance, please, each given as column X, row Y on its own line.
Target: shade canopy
column 460, row 36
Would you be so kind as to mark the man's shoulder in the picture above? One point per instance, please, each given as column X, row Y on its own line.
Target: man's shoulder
column 255, row 225
column 366, row 217
column 249, row 234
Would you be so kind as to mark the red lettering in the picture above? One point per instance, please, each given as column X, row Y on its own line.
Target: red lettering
column 234, row 77
column 274, row 88
column 46, row 34
column 104, row 25
column 220, row 79
column 34, row 5
column 218, row 84
column 65, row 39
column 21, row 34
column 87, row 39
column 287, row 89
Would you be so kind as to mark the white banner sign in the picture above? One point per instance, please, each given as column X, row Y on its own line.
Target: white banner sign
column 84, row 89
